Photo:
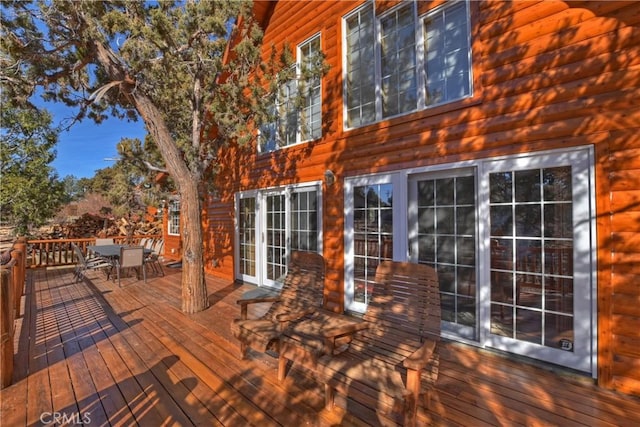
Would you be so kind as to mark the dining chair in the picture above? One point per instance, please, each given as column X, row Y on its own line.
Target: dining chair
column 131, row 257
column 83, row 264
column 105, row 241
column 153, row 258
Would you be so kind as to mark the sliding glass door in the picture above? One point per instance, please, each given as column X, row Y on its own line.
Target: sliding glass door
column 510, row 238
column 270, row 224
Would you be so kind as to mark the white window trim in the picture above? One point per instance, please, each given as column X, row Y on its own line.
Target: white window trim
column 170, row 218
column 420, row 56
column 297, row 66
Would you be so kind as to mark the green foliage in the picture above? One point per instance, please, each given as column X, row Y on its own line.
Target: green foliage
column 30, row 192
column 130, row 185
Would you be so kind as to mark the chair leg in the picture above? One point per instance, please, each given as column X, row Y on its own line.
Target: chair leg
column 410, row 409
column 243, row 350
column 412, row 396
column 329, row 396
column 282, row 367
column 160, row 268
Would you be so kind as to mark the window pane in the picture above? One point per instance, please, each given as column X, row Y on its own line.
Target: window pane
column 447, row 49
column 304, row 220
column 360, row 84
column 398, row 61
column 446, row 240
column 373, row 238
column 542, row 266
column 310, row 114
column 247, row 233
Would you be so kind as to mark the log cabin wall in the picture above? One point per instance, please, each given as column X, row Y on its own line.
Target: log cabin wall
column 546, row 75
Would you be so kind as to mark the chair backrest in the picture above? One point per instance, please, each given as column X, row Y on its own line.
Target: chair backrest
column 303, row 286
column 158, row 247
column 404, row 311
column 132, row 256
column 102, row 242
column 79, row 254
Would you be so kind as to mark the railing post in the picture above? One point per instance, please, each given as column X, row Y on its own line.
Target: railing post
column 19, row 279
column 21, row 245
column 6, row 328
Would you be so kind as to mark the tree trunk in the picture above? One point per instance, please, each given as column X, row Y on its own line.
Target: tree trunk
column 194, row 287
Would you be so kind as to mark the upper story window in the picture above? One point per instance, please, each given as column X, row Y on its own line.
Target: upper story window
column 174, row 218
column 398, row 62
column 298, row 108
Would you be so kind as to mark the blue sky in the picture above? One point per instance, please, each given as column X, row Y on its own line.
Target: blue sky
column 82, row 149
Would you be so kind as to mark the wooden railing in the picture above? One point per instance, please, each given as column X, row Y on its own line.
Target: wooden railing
column 12, row 283
column 51, row 253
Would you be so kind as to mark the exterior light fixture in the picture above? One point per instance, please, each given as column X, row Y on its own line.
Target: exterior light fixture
column 329, row 177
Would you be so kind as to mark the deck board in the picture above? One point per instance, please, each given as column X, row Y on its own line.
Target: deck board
column 128, row 355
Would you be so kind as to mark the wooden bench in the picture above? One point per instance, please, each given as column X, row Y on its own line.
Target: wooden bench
column 302, row 294
column 383, row 365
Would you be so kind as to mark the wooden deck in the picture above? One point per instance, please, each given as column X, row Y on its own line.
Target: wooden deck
column 95, row 354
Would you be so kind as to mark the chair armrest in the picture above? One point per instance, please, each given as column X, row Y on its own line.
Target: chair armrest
column 244, row 303
column 336, row 340
column 420, row 357
column 248, row 301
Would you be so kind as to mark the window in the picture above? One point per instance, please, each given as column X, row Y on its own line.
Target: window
column 360, row 64
column 298, row 108
column 398, row 61
column 415, row 62
column 446, row 52
column 304, row 220
column 174, row 218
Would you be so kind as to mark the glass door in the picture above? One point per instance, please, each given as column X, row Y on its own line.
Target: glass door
column 511, row 240
column 271, row 223
column 275, row 239
column 442, row 234
column 247, row 233
column 540, row 287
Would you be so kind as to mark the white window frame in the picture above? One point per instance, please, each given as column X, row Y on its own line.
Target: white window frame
column 282, row 112
column 420, row 54
column 173, row 218
column 400, row 246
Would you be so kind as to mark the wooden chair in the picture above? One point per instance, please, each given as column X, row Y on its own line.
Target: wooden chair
column 131, row 257
column 301, row 294
column 383, row 365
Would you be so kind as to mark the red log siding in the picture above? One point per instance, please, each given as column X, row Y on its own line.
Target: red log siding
column 547, row 75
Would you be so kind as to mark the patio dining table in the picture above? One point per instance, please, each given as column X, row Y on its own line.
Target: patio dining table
column 110, row 251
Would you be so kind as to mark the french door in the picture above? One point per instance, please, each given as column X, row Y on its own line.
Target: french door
column 510, row 238
column 270, row 224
